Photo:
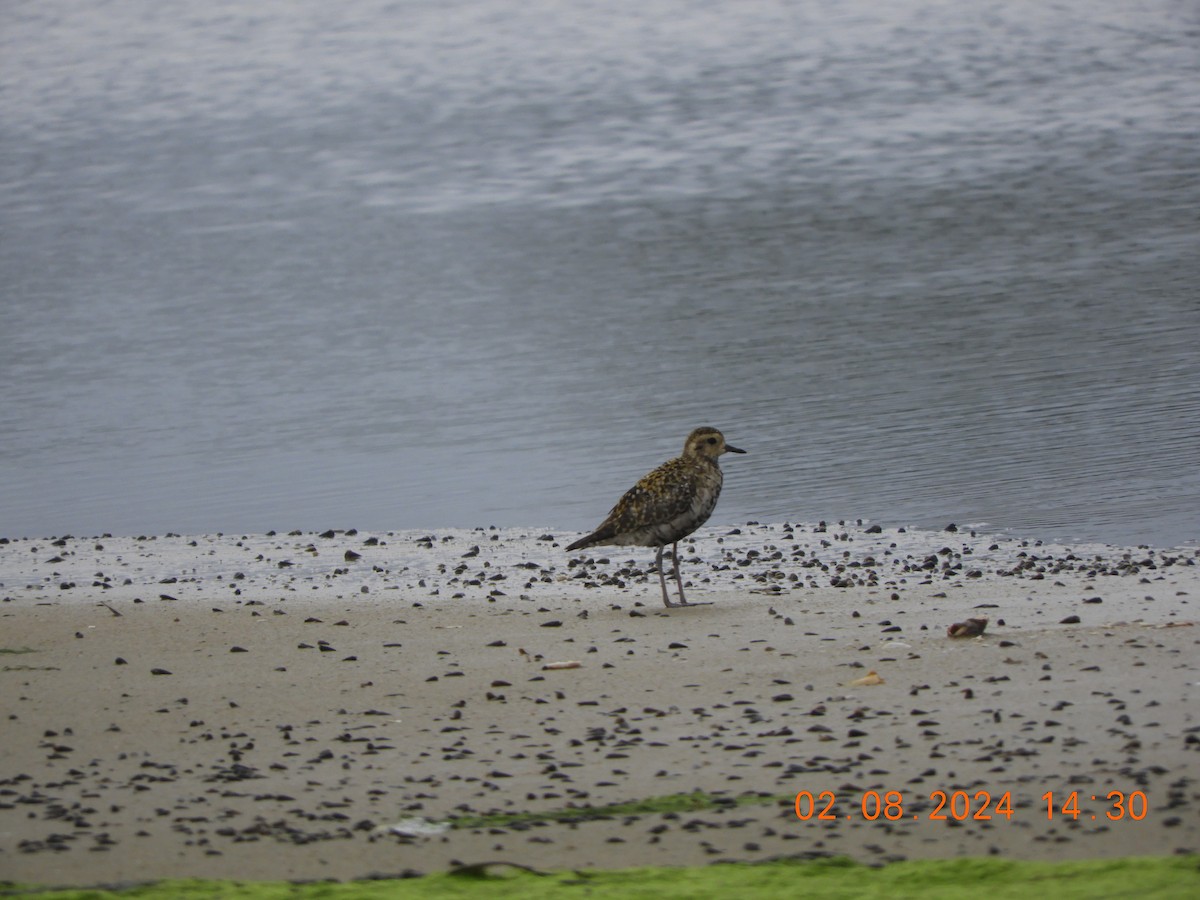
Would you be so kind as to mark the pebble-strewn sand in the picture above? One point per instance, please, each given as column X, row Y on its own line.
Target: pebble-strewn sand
column 265, row 707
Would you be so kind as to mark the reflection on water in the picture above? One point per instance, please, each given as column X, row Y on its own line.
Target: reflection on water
column 487, row 263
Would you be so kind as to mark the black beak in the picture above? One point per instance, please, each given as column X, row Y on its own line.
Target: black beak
column 733, row 449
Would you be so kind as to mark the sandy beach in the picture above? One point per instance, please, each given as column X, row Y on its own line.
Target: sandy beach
column 298, row 706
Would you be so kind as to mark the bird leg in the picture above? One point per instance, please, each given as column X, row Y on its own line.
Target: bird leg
column 662, row 580
column 678, row 579
column 683, row 601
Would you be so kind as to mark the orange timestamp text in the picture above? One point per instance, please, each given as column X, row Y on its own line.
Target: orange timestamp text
column 959, row 806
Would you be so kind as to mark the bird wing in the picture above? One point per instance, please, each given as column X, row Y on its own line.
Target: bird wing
column 659, row 497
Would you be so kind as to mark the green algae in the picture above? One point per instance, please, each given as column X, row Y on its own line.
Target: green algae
column 13, row 651
column 1147, row 878
column 668, row 803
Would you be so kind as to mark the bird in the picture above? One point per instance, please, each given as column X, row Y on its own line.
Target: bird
column 667, row 504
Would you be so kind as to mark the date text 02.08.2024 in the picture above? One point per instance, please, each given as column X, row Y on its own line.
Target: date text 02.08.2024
column 963, row 805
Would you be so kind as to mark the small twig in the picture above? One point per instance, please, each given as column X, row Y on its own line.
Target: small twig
column 109, row 608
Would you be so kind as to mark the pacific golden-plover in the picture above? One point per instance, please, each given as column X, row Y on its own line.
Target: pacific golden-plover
column 668, row 504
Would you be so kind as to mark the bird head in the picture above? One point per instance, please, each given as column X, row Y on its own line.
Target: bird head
column 707, row 442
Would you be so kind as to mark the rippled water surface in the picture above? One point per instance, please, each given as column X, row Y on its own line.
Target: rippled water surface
column 398, row 265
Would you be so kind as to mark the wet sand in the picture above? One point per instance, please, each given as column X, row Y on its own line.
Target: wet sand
column 268, row 706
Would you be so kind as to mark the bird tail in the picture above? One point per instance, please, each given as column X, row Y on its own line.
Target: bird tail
column 596, row 537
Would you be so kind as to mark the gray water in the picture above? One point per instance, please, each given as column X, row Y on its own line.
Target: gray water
column 406, row 265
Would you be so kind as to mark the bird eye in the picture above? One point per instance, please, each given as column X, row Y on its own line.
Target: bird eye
column 712, row 440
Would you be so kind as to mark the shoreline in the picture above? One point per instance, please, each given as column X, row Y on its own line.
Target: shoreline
column 308, row 699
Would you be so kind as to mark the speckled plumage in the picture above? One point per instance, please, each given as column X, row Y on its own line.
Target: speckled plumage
column 667, row 504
